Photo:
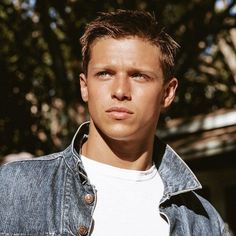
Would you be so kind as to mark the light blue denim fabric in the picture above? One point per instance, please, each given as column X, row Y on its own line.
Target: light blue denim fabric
column 46, row 195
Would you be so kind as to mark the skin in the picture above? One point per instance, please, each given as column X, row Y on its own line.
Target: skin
column 125, row 91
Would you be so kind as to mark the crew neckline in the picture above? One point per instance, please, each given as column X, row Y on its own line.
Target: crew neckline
column 103, row 169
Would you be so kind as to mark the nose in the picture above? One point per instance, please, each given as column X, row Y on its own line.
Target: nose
column 121, row 89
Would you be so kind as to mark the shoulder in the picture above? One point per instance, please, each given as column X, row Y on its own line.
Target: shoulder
column 28, row 168
column 212, row 214
column 28, row 187
column 32, row 160
column 24, row 178
column 199, row 211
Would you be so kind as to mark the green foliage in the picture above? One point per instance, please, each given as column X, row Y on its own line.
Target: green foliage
column 40, row 61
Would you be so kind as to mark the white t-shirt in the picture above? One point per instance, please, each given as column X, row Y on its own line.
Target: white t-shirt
column 127, row 201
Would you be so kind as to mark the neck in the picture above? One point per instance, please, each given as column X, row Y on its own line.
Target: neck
column 133, row 154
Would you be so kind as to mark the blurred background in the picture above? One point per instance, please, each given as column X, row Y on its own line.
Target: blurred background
column 40, row 103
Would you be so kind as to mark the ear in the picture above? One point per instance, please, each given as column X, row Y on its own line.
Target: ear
column 83, row 87
column 169, row 92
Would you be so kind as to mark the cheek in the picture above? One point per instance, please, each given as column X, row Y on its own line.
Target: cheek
column 93, row 92
column 151, row 104
column 97, row 97
column 151, row 97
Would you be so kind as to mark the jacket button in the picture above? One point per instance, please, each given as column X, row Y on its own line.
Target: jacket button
column 89, row 198
column 82, row 230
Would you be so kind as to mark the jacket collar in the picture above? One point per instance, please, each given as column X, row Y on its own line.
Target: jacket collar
column 176, row 175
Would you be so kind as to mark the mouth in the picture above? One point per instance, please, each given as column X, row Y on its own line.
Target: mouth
column 119, row 113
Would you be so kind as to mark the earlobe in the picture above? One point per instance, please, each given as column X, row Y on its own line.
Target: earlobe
column 83, row 87
column 169, row 93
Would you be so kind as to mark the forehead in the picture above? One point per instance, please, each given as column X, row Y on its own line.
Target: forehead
column 134, row 50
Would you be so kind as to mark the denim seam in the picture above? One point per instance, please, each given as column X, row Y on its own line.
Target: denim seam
column 67, row 200
column 63, row 202
column 49, row 157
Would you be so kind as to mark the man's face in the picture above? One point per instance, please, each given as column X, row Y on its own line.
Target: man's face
column 125, row 88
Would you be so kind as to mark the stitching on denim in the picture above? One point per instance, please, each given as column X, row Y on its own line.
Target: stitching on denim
column 63, row 200
column 49, row 157
column 67, row 197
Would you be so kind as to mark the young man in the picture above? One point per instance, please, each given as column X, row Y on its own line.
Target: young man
column 116, row 178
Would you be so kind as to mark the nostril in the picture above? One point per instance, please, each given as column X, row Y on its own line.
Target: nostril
column 121, row 95
column 121, row 89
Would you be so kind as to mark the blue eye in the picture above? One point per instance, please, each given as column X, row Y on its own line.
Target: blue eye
column 139, row 76
column 104, row 74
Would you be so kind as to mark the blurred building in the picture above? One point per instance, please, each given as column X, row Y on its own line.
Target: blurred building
column 208, row 144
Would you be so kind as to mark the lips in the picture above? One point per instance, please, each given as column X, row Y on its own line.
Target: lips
column 119, row 113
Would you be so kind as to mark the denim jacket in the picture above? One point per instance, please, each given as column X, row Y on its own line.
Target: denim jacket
column 52, row 195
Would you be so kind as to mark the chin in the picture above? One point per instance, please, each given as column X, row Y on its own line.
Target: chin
column 119, row 133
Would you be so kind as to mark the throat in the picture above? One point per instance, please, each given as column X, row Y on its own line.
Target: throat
column 122, row 154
